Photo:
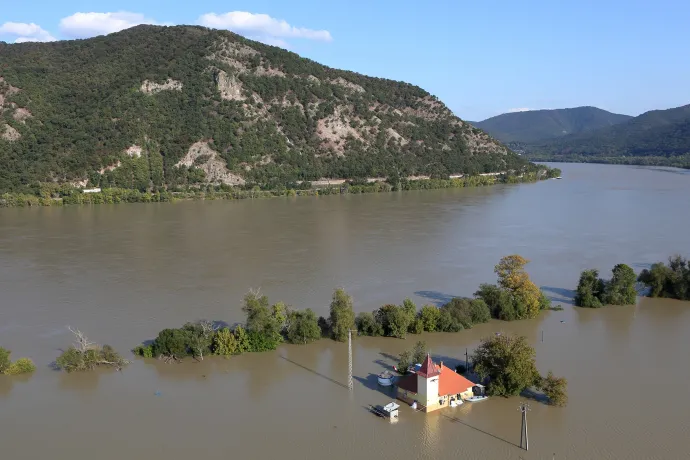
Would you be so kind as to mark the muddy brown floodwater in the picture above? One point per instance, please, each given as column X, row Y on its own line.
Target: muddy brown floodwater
column 122, row 273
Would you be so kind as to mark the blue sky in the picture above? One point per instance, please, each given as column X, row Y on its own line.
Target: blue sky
column 482, row 58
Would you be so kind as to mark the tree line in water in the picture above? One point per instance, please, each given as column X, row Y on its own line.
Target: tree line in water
column 65, row 194
column 505, row 362
column 670, row 281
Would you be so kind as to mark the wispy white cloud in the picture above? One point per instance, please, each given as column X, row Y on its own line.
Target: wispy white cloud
column 261, row 27
column 84, row 25
column 24, row 32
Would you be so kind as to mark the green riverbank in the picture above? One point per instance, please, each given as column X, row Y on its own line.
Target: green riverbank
column 53, row 195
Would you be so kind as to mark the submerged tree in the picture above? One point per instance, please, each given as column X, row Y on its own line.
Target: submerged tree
column 590, row 290
column 513, row 278
column 85, row 355
column 414, row 355
column 303, row 326
column 429, row 317
column 20, row 366
column 594, row 292
column 508, row 362
column 342, row 317
column 555, row 389
column 367, row 324
column 621, row 289
column 671, row 281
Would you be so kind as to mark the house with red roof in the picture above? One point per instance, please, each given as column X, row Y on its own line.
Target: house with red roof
column 433, row 386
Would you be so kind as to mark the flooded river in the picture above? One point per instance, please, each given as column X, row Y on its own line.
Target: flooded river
column 122, row 273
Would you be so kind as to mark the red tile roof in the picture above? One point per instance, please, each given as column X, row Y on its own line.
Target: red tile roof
column 429, row 369
column 452, row 383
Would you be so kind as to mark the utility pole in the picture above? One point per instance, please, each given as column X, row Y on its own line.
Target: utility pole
column 542, row 336
column 524, row 407
column 467, row 360
column 349, row 359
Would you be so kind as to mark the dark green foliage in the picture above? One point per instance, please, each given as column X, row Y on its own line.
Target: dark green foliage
column 509, row 364
column 458, row 317
column 87, row 110
column 544, row 301
column 671, row 281
column 73, row 359
column 590, row 290
column 259, row 342
column 539, row 125
column 594, row 292
column 4, row 360
column 395, row 320
column 325, row 326
column 429, row 317
column 145, row 351
column 267, row 321
column 367, row 325
column 171, row 342
column 468, row 312
column 501, row 303
column 621, row 289
column 460, row 368
column 303, row 327
column 412, row 356
column 342, row 317
column 555, row 389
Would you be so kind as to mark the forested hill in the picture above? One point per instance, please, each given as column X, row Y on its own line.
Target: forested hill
column 540, row 125
column 167, row 106
column 658, row 137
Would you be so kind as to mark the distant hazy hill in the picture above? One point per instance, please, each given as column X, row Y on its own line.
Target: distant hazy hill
column 169, row 106
column 656, row 137
column 539, row 125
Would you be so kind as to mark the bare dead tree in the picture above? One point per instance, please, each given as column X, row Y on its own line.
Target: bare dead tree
column 82, row 342
column 207, row 331
column 88, row 355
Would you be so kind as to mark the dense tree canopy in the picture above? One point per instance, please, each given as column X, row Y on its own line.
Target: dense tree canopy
column 594, row 292
column 516, row 296
column 672, row 280
column 269, row 115
column 508, row 362
column 342, row 318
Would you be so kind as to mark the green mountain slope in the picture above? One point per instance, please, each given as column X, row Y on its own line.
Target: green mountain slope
column 153, row 107
column 656, row 137
column 539, row 125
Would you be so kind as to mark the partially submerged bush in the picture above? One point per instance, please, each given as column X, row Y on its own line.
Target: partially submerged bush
column 85, row 355
column 20, row 366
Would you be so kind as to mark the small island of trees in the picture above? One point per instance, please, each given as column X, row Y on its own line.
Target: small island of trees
column 594, row 292
column 670, row 281
column 20, row 366
column 661, row 280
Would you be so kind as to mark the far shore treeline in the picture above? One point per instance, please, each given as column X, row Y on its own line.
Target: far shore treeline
column 514, row 297
column 45, row 194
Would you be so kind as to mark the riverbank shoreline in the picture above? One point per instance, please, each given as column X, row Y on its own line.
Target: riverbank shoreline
column 118, row 195
column 662, row 162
